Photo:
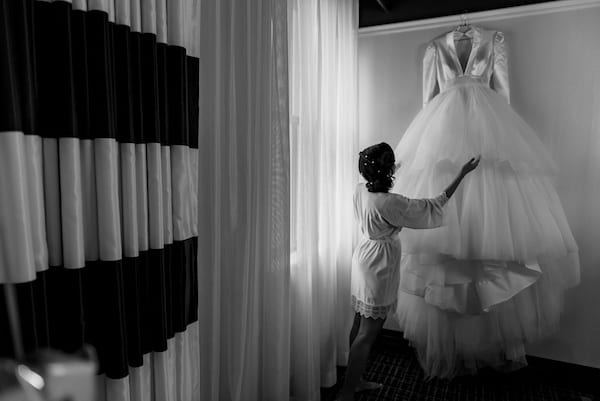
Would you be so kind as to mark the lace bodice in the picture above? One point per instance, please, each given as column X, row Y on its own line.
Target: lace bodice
column 486, row 63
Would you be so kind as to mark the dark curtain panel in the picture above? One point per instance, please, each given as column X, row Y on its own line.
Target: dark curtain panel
column 89, row 93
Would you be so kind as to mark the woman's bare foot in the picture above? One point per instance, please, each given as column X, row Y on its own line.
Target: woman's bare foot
column 345, row 397
column 365, row 385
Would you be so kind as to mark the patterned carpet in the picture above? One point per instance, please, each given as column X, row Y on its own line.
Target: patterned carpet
column 393, row 363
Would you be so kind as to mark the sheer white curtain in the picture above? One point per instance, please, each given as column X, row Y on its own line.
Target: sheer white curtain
column 323, row 135
column 244, row 201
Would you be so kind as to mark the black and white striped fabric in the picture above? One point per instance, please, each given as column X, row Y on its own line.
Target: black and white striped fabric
column 98, row 181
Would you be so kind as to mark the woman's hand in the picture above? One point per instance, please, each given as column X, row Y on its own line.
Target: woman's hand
column 466, row 169
column 470, row 165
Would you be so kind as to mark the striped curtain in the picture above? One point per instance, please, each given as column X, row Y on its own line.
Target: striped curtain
column 98, row 186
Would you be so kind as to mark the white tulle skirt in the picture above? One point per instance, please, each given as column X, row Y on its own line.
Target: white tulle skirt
column 474, row 292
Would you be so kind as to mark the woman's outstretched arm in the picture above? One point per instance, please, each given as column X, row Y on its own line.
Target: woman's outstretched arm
column 466, row 169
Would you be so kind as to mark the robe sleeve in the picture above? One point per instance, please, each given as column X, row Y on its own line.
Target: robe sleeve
column 430, row 85
column 500, row 72
column 401, row 211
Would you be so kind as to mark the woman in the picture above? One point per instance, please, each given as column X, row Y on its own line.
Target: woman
column 376, row 260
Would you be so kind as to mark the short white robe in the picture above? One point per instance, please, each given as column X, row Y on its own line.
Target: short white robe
column 376, row 259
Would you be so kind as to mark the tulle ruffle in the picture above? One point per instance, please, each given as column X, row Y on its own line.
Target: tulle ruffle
column 496, row 214
column 450, row 344
column 473, row 287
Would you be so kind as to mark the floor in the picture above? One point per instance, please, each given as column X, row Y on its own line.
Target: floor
column 393, row 363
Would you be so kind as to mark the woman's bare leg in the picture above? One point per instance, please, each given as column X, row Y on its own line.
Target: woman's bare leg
column 363, row 385
column 359, row 353
column 355, row 327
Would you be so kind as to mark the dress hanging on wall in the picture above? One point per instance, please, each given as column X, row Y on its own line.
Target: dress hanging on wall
column 474, row 292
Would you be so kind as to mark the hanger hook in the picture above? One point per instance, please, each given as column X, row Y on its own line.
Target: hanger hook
column 464, row 21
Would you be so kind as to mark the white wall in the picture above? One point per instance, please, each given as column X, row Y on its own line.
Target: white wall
column 555, row 86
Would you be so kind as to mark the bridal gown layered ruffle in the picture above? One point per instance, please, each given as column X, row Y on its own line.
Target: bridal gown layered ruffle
column 474, row 292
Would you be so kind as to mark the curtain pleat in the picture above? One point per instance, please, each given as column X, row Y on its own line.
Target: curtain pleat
column 51, row 202
column 140, row 380
column 37, row 216
column 88, row 187
column 98, row 165
column 17, row 249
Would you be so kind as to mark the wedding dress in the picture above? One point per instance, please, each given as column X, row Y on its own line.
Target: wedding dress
column 475, row 291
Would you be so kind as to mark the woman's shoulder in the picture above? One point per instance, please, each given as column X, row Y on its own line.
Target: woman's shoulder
column 395, row 199
column 394, row 195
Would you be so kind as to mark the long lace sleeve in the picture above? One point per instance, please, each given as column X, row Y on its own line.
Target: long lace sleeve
column 430, row 85
column 401, row 211
column 500, row 74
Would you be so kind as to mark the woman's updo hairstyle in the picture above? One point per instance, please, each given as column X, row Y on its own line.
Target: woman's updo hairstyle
column 376, row 165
